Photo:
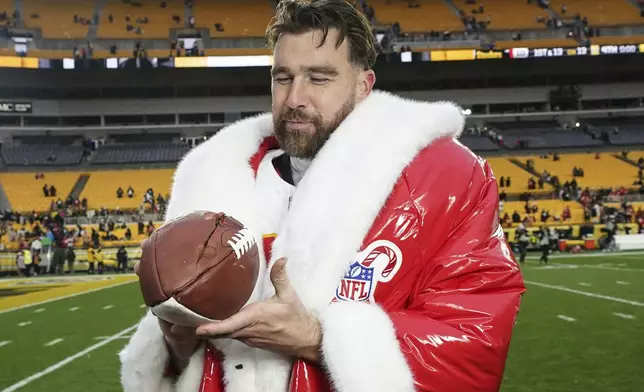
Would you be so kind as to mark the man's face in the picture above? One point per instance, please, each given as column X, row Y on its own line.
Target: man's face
column 313, row 90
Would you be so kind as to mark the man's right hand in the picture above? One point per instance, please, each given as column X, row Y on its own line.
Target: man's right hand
column 182, row 343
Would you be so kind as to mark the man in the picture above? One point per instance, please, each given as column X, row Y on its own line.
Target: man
column 388, row 271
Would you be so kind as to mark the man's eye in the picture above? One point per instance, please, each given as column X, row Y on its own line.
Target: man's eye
column 319, row 80
column 282, row 80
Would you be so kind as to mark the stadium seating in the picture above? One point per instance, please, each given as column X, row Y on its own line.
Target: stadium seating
column 239, row 18
column 600, row 12
column 478, row 143
column 25, row 192
column 554, row 208
column 101, row 187
column 29, row 155
column 502, row 167
column 56, row 18
column 432, row 15
column 507, row 14
column 140, row 153
column 550, row 139
column 605, row 172
column 159, row 19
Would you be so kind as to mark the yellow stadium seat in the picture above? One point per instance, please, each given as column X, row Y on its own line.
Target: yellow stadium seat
column 56, row 18
column 605, row 172
column 554, row 207
column 507, row 14
column 239, row 18
column 25, row 192
column 101, row 187
column 600, row 12
column 431, row 15
column 502, row 167
column 159, row 19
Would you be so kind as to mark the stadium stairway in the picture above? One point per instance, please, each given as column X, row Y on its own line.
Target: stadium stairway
column 17, row 5
column 627, row 160
column 452, row 6
column 78, row 187
column 92, row 32
column 187, row 13
column 5, row 204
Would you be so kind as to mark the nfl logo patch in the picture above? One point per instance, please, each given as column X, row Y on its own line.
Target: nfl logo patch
column 356, row 284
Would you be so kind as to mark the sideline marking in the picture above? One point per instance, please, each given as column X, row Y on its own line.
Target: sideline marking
column 593, row 295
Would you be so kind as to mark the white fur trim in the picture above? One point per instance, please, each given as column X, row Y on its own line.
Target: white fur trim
column 375, row 367
column 144, row 358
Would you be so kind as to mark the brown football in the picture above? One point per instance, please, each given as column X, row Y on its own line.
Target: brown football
column 200, row 267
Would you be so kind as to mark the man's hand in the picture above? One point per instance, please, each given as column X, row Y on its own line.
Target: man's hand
column 280, row 324
column 182, row 343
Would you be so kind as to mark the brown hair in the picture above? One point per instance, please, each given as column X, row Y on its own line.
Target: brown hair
column 300, row 16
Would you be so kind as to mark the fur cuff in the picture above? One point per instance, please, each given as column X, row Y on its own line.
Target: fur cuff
column 144, row 358
column 354, row 366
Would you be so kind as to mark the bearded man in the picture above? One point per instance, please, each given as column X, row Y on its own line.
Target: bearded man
column 388, row 270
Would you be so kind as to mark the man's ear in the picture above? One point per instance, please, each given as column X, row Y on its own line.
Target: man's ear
column 366, row 81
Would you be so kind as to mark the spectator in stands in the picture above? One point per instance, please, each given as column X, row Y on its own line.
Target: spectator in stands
column 45, row 190
column 141, row 227
column 130, row 192
column 544, row 244
column 119, row 193
column 121, row 259
column 544, row 216
column 516, row 218
column 502, row 182
column 71, row 258
column 507, row 182
column 532, row 184
column 53, row 191
column 503, row 196
column 150, row 228
column 566, row 215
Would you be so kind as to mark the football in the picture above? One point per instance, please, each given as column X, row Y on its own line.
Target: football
column 198, row 268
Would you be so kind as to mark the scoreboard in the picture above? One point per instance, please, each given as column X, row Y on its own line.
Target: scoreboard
column 591, row 50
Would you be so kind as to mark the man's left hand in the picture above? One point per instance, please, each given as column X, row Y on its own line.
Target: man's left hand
column 280, row 324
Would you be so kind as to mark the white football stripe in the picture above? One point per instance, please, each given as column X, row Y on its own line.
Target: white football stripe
column 566, row 318
column 622, row 282
column 54, row 342
column 75, row 308
column 624, row 316
column 39, row 310
column 142, row 306
column 65, row 361
column 108, row 307
column 587, row 294
column 585, row 284
column 4, row 342
column 24, row 323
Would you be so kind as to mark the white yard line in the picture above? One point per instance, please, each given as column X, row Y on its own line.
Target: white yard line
column 65, row 297
column 624, row 316
column 622, row 282
column 4, row 342
column 24, row 323
column 107, row 337
column 40, row 310
column 67, row 360
column 587, row 294
column 142, row 306
column 585, row 284
column 54, row 342
column 584, row 255
column 566, row 318
column 108, row 307
column 75, row 308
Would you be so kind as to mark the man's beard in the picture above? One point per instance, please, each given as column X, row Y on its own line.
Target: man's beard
column 306, row 144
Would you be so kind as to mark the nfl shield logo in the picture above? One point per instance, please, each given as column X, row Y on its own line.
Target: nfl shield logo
column 356, row 285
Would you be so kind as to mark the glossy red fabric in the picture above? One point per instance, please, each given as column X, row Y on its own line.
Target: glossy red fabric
column 454, row 300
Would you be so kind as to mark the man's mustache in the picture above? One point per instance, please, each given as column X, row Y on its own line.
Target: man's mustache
column 296, row 116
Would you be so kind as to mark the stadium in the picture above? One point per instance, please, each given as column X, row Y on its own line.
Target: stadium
column 100, row 100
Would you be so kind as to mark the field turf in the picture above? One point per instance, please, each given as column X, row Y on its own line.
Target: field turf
column 579, row 329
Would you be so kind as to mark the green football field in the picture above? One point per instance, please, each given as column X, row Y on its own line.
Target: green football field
column 579, row 329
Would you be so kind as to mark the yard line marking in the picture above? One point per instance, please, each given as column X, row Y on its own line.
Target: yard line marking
column 75, row 308
column 585, row 255
column 593, row 295
column 39, row 310
column 566, row 318
column 24, row 323
column 621, row 282
column 585, row 284
column 107, row 337
column 624, row 316
column 67, row 360
column 142, row 306
column 64, row 297
column 108, row 307
column 4, row 342
column 54, row 342
column 556, row 266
